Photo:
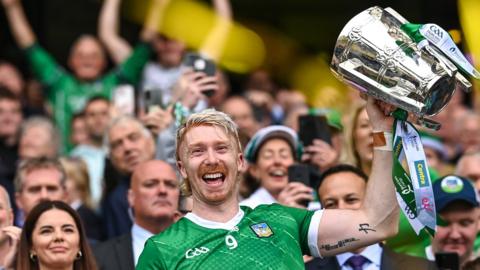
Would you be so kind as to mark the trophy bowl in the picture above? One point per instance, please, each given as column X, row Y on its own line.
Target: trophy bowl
column 377, row 57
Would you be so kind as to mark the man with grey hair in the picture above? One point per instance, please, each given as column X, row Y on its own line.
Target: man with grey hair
column 38, row 179
column 9, row 234
column 129, row 144
column 38, row 138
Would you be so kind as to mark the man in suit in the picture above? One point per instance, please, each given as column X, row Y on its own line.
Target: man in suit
column 153, row 195
column 343, row 187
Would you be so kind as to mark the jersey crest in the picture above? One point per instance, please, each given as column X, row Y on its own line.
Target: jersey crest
column 262, row 230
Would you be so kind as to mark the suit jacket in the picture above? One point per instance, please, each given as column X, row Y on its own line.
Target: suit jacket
column 390, row 261
column 92, row 223
column 115, row 254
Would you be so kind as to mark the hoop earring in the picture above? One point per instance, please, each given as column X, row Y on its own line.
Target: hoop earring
column 33, row 256
column 79, row 255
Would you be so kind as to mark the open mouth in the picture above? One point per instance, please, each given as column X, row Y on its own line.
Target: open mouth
column 214, row 179
column 277, row 173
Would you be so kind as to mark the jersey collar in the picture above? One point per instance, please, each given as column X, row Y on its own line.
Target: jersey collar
column 229, row 225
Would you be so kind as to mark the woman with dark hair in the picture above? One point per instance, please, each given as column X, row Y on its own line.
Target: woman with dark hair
column 53, row 238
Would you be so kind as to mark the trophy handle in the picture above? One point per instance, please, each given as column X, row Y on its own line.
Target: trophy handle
column 463, row 83
column 350, row 67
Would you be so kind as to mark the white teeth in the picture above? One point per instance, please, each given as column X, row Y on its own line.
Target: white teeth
column 212, row 176
column 277, row 173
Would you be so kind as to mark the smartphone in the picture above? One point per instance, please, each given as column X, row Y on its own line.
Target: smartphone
column 447, row 261
column 200, row 64
column 299, row 173
column 313, row 127
column 124, row 99
column 152, row 99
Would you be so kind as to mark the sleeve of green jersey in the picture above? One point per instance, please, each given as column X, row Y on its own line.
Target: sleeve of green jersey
column 308, row 222
column 151, row 258
column 130, row 71
column 45, row 68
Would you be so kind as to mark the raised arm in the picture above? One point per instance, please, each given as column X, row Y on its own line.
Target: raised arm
column 344, row 230
column 21, row 29
column 108, row 27
column 216, row 39
column 108, row 31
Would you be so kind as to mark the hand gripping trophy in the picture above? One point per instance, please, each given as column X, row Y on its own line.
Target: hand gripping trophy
column 415, row 68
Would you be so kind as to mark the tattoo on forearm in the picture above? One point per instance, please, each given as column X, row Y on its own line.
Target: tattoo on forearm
column 365, row 227
column 339, row 244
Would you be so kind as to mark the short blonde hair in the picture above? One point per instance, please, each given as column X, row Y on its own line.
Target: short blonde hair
column 76, row 170
column 208, row 117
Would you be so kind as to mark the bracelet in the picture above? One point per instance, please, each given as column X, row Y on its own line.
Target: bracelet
column 383, row 141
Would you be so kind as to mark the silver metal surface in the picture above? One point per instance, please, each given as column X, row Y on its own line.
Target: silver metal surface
column 373, row 54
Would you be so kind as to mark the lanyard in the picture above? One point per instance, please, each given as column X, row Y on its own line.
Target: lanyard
column 411, row 177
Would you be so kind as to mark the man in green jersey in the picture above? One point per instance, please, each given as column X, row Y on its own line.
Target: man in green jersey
column 218, row 234
column 68, row 92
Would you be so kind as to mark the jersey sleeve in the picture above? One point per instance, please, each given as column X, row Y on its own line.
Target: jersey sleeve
column 151, row 258
column 130, row 70
column 45, row 68
column 308, row 224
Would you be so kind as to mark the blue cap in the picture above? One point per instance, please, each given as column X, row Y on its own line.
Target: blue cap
column 453, row 188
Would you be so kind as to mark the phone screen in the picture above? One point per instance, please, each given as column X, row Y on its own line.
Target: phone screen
column 124, row 99
column 152, row 99
column 447, row 261
column 313, row 127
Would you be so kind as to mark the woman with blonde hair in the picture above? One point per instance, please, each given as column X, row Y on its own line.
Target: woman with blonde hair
column 78, row 196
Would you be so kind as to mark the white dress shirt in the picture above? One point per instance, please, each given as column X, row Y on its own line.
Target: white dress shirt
column 373, row 253
column 139, row 237
column 260, row 196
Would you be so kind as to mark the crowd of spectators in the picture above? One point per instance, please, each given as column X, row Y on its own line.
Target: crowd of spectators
column 103, row 179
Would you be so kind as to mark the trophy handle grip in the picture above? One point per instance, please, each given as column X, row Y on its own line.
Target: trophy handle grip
column 349, row 67
column 463, row 83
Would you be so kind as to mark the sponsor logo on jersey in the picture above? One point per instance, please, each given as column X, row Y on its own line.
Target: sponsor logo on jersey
column 262, row 230
column 194, row 252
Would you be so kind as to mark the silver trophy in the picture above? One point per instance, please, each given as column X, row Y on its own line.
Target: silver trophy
column 373, row 54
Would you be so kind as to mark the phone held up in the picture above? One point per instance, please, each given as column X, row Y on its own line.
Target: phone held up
column 200, row 64
column 313, row 127
column 300, row 173
column 447, row 261
column 152, row 100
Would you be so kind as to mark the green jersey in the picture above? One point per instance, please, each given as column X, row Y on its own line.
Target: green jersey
column 67, row 95
column 269, row 237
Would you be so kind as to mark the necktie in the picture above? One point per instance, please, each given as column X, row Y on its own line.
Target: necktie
column 357, row 262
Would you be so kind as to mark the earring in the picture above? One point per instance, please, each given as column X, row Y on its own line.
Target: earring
column 33, row 256
column 79, row 255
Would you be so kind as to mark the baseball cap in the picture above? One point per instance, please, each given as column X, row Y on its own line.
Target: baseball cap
column 452, row 188
column 267, row 133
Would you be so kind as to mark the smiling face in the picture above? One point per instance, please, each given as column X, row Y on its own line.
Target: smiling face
column 87, row 58
column 271, row 169
column 55, row 239
column 460, row 230
column 210, row 161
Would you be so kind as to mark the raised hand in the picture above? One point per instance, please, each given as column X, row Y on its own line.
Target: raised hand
column 321, row 154
column 191, row 85
column 294, row 194
column 13, row 235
